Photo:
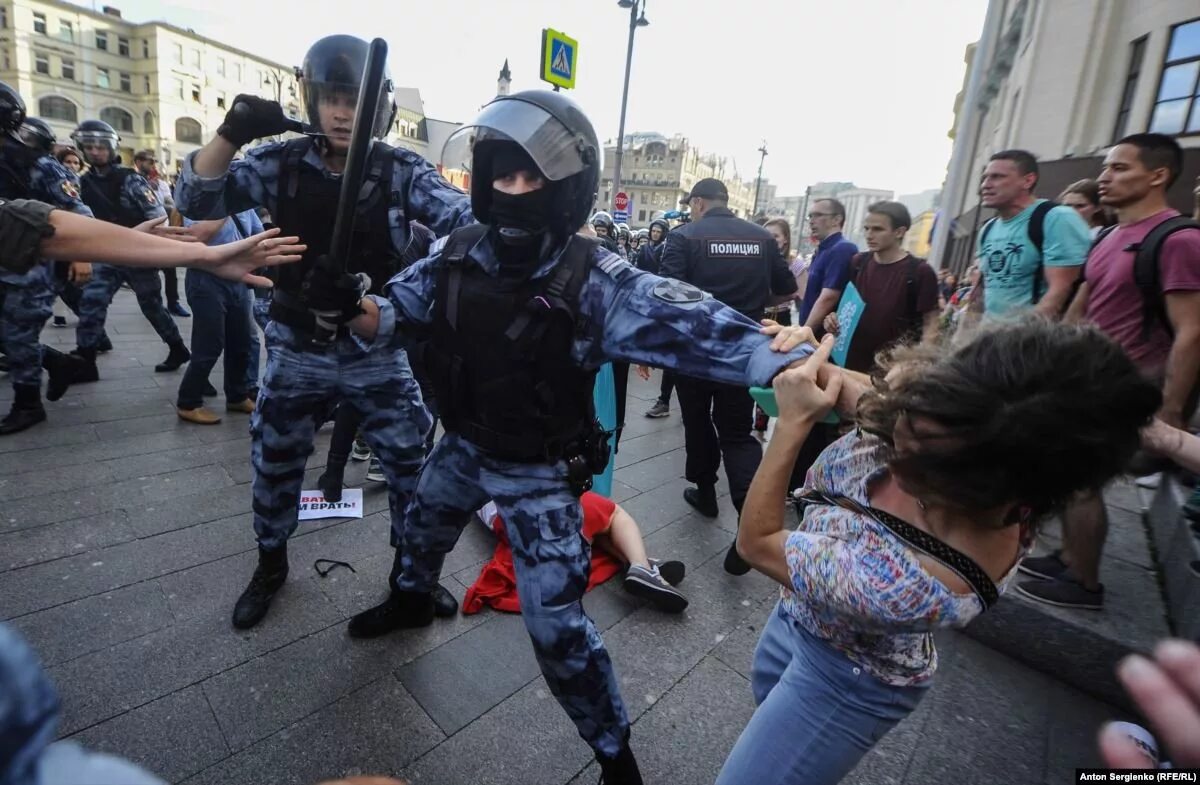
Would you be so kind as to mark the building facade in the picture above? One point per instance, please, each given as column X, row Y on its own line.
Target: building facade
column 657, row 171
column 1066, row 79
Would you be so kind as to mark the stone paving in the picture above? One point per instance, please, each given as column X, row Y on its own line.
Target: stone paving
column 126, row 537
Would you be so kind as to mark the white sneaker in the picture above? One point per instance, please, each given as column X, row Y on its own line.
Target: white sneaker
column 360, row 451
column 375, row 472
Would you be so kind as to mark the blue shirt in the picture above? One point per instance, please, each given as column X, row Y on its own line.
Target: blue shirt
column 830, row 269
column 631, row 316
column 230, row 232
column 1009, row 259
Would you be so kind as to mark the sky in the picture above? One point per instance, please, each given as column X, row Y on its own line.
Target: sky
column 854, row 90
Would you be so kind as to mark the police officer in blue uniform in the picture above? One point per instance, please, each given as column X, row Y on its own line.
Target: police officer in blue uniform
column 299, row 182
column 738, row 263
column 28, row 171
column 649, row 256
column 119, row 195
column 520, row 313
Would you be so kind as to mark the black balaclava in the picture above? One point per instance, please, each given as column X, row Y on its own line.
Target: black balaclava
column 521, row 218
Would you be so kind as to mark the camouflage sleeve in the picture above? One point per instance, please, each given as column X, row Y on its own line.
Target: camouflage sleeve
column 249, row 183
column 139, row 194
column 429, row 197
column 24, row 223
column 53, row 183
column 640, row 317
column 406, row 307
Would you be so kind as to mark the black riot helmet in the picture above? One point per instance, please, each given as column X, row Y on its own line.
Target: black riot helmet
column 12, row 109
column 661, row 223
column 604, row 221
column 553, row 131
column 96, row 132
column 334, row 65
column 37, row 135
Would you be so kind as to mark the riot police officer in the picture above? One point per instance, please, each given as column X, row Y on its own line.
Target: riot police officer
column 118, row 194
column 520, row 313
column 27, row 170
column 649, row 256
column 299, row 182
column 738, row 263
column 605, row 229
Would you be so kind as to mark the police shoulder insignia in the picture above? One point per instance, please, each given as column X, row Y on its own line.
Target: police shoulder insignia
column 150, row 197
column 69, row 189
column 612, row 264
column 671, row 291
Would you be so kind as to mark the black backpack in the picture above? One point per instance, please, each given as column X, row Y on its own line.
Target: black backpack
column 912, row 319
column 1037, row 236
column 1146, row 272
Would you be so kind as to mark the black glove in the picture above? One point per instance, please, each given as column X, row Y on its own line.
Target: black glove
column 334, row 297
column 252, row 118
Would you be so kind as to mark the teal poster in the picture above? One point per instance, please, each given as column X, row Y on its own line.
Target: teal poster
column 849, row 312
column 605, row 398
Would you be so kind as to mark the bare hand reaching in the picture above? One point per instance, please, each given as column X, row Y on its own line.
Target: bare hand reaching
column 785, row 339
column 1167, row 690
column 160, row 228
column 238, row 261
column 643, row 372
column 805, row 394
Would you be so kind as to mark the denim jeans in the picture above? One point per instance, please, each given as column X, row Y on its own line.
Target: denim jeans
column 258, row 301
column 818, row 713
column 220, row 323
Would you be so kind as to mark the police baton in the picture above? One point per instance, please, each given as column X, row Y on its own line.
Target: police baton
column 361, row 142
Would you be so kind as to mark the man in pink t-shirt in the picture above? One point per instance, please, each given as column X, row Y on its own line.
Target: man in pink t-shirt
column 1134, row 180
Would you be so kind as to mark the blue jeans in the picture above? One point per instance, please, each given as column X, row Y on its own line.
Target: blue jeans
column 818, row 713
column 258, row 301
column 220, row 323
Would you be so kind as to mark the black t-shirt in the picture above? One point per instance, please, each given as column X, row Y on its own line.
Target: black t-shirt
column 886, row 318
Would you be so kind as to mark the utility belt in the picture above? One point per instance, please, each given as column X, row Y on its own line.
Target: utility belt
column 289, row 310
column 585, row 452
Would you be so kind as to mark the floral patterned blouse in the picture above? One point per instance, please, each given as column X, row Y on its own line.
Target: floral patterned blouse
column 858, row 586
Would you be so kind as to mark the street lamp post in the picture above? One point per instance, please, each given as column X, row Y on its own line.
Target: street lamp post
column 758, row 184
column 637, row 18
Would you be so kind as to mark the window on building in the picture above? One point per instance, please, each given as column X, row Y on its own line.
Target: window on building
column 221, row 100
column 641, row 216
column 39, row 23
column 188, row 130
column 123, row 46
column 118, row 118
column 194, row 58
column 195, row 93
column 177, row 88
column 177, row 53
column 3, row 16
column 145, row 48
column 1177, row 105
column 146, row 85
column 126, row 83
column 220, row 66
column 55, row 107
column 102, row 40
column 102, row 77
column 150, row 123
column 68, row 69
column 1137, row 53
column 41, row 63
column 237, row 72
column 66, row 31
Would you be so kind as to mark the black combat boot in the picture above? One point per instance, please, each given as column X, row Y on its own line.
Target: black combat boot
column 621, row 770
column 401, row 610
column 734, row 563
column 268, row 577
column 331, row 481
column 444, row 604
column 87, row 371
column 704, row 499
column 26, row 410
column 63, row 370
column 104, row 344
column 178, row 356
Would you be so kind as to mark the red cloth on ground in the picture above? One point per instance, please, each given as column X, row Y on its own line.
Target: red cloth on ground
column 496, row 585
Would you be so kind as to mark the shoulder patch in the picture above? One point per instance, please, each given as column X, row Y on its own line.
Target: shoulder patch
column 69, row 189
column 148, row 194
column 671, row 291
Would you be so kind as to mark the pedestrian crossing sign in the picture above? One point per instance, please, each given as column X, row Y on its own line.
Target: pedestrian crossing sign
column 560, row 56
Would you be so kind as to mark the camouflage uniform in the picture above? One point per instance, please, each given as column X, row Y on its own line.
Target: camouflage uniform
column 625, row 315
column 301, row 384
column 136, row 196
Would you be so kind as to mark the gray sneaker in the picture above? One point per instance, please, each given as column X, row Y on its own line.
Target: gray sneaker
column 651, row 586
column 360, row 451
column 375, row 471
column 1063, row 593
column 659, row 409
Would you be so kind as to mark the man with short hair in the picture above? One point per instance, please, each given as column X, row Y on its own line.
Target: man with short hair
column 1158, row 328
column 900, row 291
column 830, row 264
column 1032, row 251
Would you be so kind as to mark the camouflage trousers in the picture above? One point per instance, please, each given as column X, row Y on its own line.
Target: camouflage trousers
column 26, row 302
column 552, row 560
column 299, row 391
column 98, row 294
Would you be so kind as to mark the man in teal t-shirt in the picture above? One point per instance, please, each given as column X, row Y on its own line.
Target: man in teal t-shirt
column 1007, row 253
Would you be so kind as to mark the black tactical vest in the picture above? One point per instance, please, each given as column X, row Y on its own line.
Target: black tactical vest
column 499, row 354
column 102, row 193
column 307, row 202
column 14, row 173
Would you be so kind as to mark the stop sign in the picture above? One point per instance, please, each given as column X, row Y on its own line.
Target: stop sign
column 621, row 201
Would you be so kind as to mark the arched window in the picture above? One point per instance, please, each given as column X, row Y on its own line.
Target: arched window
column 55, row 107
column 118, row 118
column 188, row 130
column 150, row 124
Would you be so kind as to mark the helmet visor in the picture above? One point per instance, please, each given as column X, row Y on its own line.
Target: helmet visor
column 556, row 151
column 34, row 137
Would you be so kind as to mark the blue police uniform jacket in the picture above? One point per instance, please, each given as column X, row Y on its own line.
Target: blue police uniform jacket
column 57, row 186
